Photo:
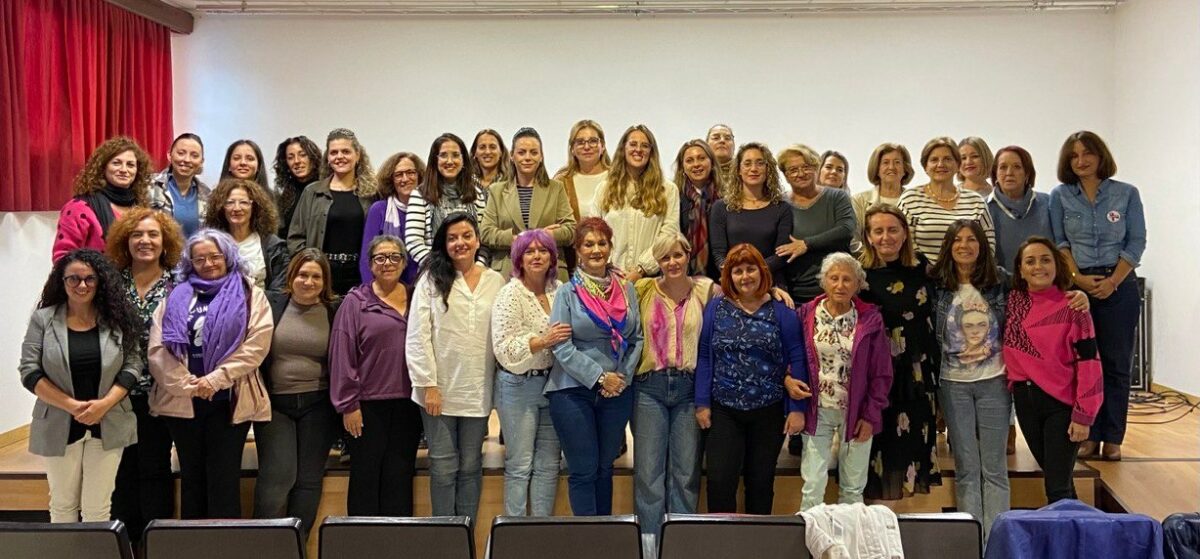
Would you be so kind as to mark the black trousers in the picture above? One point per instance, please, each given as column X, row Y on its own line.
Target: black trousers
column 210, row 460
column 743, row 443
column 145, row 488
column 385, row 459
column 293, row 448
column 1044, row 421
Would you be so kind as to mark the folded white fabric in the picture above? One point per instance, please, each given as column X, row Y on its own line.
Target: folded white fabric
column 854, row 531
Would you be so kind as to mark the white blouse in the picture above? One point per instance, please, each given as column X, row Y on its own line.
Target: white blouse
column 448, row 346
column 634, row 232
column 517, row 318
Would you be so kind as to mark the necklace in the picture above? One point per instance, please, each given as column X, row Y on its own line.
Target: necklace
column 929, row 192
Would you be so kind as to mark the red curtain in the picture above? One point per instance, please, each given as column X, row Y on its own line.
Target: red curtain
column 74, row 73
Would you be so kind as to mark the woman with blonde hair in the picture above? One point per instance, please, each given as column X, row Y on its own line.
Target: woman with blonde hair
column 587, row 167
column 977, row 164
column 115, row 178
column 638, row 203
column 697, row 177
column 933, row 207
column 332, row 212
column 822, row 222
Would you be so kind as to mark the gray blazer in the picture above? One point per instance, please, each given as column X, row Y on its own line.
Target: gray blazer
column 45, row 350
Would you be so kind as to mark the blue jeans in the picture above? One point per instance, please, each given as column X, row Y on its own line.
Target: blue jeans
column 1115, row 320
column 980, row 463
column 853, row 460
column 666, row 466
column 455, row 463
column 591, row 429
column 531, row 451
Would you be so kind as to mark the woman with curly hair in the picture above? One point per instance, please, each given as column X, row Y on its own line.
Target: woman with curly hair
column 753, row 210
column 115, row 178
column 398, row 177
column 80, row 357
column 332, row 212
column 700, row 183
column 490, row 161
column 207, row 341
column 245, row 211
column 297, row 164
column 638, row 202
column 145, row 245
column 244, row 160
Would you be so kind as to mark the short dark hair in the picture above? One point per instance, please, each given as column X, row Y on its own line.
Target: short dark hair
column 1091, row 141
column 1026, row 162
column 1062, row 277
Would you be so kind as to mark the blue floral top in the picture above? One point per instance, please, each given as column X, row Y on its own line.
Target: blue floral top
column 743, row 357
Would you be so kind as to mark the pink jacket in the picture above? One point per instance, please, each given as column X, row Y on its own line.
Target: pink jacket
column 170, row 395
column 78, row 227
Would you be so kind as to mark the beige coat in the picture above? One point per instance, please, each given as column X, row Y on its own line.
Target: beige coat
column 171, row 397
column 501, row 221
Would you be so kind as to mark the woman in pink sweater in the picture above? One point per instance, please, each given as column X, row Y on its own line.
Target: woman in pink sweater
column 1052, row 362
column 115, row 178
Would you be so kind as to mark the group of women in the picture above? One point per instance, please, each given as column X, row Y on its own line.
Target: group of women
column 575, row 306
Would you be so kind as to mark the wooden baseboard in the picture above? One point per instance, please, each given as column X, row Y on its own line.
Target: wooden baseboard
column 16, row 435
column 1155, row 387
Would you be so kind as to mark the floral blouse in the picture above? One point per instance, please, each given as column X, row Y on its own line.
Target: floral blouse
column 145, row 308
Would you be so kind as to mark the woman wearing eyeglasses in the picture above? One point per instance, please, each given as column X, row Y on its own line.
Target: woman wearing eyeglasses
column 398, row 177
column 370, row 386
column 80, row 357
column 822, row 222
column 245, row 211
column 206, row 344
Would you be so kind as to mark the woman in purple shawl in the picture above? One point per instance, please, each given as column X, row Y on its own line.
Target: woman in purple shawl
column 205, row 348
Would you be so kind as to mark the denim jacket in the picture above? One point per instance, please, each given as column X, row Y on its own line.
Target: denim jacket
column 1099, row 234
column 997, row 299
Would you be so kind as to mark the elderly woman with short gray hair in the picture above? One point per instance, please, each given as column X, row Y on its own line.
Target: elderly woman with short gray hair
column 851, row 367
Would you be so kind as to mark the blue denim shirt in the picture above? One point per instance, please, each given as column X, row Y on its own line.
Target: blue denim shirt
column 1099, row 234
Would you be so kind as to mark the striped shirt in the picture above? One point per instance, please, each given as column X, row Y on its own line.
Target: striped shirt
column 929, row 220
column 526, row 198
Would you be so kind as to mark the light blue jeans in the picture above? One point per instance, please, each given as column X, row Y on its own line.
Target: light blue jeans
column 666, row 456
column 853, row 460
column 977, row 420
column 455, row 463
column 531, row 449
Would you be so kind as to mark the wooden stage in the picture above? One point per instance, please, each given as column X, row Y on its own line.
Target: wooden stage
column 1160, row 475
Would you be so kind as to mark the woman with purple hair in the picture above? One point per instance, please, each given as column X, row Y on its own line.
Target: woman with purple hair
column 523, row 337
column 206, row 344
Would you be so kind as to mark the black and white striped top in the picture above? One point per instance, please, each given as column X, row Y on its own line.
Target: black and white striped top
column 929, row 220
column 526, row 199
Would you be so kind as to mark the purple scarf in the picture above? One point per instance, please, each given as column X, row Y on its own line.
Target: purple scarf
column 224, row 325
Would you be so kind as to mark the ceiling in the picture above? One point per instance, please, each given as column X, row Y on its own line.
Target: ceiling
column 518, row 8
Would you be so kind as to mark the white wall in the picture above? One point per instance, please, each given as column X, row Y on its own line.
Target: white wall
column 1155, row 141
column 834, row 82
column 25, row 240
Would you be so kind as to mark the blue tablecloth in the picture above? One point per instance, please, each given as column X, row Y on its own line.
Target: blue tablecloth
column 1069, row 529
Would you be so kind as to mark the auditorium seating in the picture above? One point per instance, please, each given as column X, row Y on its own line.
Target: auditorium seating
column 368, row 537
column 224, row 539
column 940, row 535
column 93, row 540
column 583, row 537
column 688, row 536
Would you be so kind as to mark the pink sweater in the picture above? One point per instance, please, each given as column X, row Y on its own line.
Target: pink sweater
column 1055, row 347
column 78, row 227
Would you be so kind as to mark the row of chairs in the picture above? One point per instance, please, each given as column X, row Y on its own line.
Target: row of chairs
column 684, row 536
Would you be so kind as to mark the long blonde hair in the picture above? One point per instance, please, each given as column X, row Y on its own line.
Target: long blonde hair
column 649, row 193
column 572, row 165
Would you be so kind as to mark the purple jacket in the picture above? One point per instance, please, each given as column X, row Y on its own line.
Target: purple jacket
column 366, row 352
column 374, row 228
column 870, row 367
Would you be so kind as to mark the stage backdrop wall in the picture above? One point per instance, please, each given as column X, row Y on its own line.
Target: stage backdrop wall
column 846, row 82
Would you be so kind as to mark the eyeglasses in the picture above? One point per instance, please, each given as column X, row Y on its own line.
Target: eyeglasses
column 754, row 164
column 390, row 258
column 804, row 170
column 411, row 173
column 588, row 142
column 239, row 203
column 75, row 281
column 210, row 259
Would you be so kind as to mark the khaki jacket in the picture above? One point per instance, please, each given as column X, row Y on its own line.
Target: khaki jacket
column 170, row 395
column 501, row 221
